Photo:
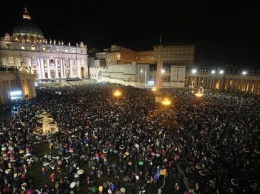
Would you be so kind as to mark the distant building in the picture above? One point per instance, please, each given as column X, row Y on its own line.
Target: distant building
column 176, row 54
column 138, row 68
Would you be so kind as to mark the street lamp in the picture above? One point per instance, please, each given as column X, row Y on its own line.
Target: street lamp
column 154, row 89
column 166, row 102
column 194, row 71
column 199, row 94
column 244, row 72
column 117, row 94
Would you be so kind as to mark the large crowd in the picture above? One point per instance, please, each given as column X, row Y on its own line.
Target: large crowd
column 131, row 144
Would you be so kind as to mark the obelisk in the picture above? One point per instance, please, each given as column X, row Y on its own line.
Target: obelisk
column 158, row 80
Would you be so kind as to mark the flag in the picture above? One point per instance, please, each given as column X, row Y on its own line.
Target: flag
column 151, row 179
column 163, row 172
column 157, row 175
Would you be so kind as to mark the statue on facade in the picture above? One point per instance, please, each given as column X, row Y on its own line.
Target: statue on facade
column 24, row 68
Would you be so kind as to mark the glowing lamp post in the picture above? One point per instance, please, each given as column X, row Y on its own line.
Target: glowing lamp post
column 199, row 94
column 117, row 94
column 166, row 102
column 154, row 89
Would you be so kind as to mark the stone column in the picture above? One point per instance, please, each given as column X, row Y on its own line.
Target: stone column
column 250, row 87
column 30, row 65
column 56, row 68
column 48, row 67
column 256, row 87
column 78, row 68
column 64, row 67
column 39, row 68
column 207, row 82
column 42, row 68
column 2, row 92
column 61, row 68
column 70, row 66
column 9, row 88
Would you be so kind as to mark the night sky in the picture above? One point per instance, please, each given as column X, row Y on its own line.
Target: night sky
column 224, row 32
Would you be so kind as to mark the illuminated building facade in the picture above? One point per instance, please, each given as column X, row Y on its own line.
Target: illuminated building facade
column 26, row 56
column 221, row 81
column 16, row 85
column 176, row 54
column 51, row 59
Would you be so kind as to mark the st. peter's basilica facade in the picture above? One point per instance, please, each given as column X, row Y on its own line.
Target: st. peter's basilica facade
column 46, row 59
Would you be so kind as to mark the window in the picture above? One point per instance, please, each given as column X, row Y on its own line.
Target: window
column 33, row 48
column 43, row 48
column 11, row 60
column 66, row 50
column 22, row 47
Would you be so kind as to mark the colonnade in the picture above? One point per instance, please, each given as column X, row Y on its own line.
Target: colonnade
column 55, row 67
column 232, row 83
column 8, row 83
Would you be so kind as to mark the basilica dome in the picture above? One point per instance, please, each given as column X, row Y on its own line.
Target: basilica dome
column 27, row 30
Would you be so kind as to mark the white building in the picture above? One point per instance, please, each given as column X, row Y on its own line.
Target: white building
column 138, row 68
column 138, row 75
column 51, row 59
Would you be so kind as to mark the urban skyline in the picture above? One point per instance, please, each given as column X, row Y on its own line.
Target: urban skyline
column 224, row 33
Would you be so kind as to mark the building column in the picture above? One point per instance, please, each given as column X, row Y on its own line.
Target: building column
column 2, row 98
column 70, row 67
column 9, row 88
column 250, row 87
column 78, row 68
column 48, row 67
column 39, row 68
column 56, row 68
column 227, row 86
column 257, row 87
column 42, row 68
column 61, row 68
column 30, row 65
column 64, row 67
column 199, row 84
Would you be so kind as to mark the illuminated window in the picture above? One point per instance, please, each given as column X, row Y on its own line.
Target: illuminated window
column 33, row 48
column 11, row 60
column 22, row 47
column 43, row 48
column 66, row 50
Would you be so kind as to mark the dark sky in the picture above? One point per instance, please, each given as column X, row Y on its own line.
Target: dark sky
column 225, row 32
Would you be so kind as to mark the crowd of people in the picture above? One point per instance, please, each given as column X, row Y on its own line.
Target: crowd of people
column 131, row 144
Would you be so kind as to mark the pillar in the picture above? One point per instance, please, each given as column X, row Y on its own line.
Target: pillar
column 39, row 68
column 2, row 92
column 56, row 68
column 61, row 68
column 43, row 68
column 78, row 68
column 70, row 66
column 48, row 67
column 159, row 83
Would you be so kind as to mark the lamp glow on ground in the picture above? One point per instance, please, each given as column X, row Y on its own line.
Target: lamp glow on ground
column 117, row 94
column 199, row 94
column 154, row 89
column 166, row 102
